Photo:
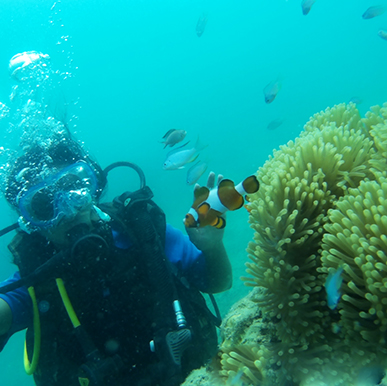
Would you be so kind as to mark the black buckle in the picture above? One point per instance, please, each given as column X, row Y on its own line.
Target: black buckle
column 127, row 199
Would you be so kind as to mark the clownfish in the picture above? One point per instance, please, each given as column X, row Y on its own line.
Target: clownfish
column 209, row 205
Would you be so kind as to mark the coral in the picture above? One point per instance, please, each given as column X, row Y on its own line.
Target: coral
column 322, row 205
column 356, row 238
column 245, row 334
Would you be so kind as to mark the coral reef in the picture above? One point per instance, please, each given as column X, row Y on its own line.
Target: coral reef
column 322, row 206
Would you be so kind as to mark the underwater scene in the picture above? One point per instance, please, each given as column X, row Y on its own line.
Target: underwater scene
column 292, row 92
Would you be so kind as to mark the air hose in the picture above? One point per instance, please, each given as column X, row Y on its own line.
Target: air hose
column 30, row 367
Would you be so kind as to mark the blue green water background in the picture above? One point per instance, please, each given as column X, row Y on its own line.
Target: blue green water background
column 138, row 69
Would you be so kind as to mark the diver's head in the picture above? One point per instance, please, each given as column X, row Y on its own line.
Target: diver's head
column 49, row 184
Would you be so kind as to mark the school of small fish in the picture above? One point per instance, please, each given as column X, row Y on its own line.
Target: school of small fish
column 182, row 155
column 206, row 209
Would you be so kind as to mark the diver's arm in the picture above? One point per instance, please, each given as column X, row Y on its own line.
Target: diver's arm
column 209, row 240
column 5, row 317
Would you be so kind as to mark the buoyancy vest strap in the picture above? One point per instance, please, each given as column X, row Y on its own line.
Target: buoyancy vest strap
column 67, row 303
column 31, row 367
column 161, row 280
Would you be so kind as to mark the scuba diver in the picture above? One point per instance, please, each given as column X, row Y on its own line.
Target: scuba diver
column 110, row 293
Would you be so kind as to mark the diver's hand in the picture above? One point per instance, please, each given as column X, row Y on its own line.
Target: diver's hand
column 211, row 181
column 208, row 236
column 210, row 241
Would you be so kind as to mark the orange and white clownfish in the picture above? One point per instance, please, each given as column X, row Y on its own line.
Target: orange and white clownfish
column 209, row 205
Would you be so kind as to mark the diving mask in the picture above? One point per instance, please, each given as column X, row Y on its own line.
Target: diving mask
column 60, row 196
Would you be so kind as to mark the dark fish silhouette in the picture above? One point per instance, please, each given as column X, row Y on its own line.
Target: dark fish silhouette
column 275, row 123
column 201, row 24
column 306, row 6
column 374, row 11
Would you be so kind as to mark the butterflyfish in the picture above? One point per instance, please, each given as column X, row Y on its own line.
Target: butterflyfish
column 332, row 287
column 209, row 205
column 173, row 136
column 178, row 158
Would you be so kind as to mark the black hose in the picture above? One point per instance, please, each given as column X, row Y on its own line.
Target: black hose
column 139, row 171
column 8, row 229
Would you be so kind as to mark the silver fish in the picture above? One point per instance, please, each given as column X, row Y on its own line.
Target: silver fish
column 195, row 172
column 306, row 6
column 178, row 158
column 374, row 11
column 173, row 136
column 271, row 90
column 201, row 24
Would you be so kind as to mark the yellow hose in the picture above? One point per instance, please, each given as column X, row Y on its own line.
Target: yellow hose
column 31, row 367
column 66, row 302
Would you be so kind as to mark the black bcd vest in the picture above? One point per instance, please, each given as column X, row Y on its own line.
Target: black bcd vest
column 122, row 294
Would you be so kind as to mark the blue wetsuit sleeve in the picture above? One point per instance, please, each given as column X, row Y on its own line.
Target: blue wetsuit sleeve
column 21, row 306
column 189, row 260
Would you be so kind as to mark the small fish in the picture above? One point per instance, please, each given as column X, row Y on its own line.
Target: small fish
column 356, row 100
column 383, row 34
column 306, row 6
column 332, row 287
column 201, row 24
column 179, row 157
column 275, row 123
column 374, row 11
column 195, row 172
column 173, row 136
column 209, row 205
column 271, row 90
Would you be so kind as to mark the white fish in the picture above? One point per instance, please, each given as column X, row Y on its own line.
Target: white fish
column 332, row 287
column 178, row 158
column 195, row 172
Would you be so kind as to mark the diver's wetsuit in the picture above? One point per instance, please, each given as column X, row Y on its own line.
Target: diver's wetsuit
column 115, row 306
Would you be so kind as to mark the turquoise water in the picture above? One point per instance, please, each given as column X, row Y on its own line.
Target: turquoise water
column 137, row 69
